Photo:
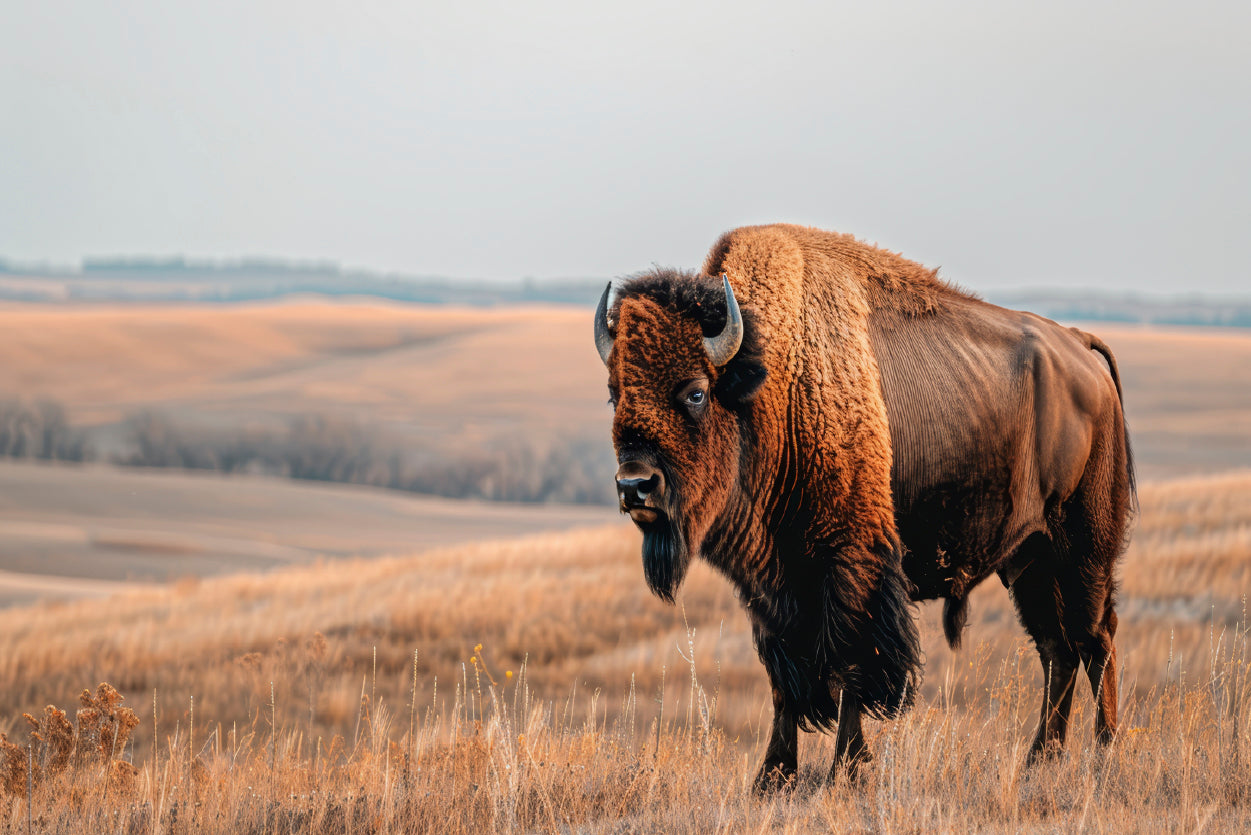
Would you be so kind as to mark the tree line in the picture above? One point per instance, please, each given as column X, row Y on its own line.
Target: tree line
column 506, row 467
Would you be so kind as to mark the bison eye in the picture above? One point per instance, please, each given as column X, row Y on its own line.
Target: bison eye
column 693, row 396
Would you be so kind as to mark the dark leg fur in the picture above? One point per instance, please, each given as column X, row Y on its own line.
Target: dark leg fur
column 850, row 750
column 1060, row 668
column 873, row 653
column 1089, row 616
column 1099, row 656
column 1065, row 603
column 1038, row 603
column 879, row 662
column 781, row 760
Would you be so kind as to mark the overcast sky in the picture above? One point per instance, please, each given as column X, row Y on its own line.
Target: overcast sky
column 1082, row 144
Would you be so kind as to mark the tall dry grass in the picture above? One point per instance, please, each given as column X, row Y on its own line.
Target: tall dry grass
column 357, row 697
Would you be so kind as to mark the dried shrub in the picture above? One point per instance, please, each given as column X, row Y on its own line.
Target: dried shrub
column 508, row 466
column 103, row 725
column 40, row 431
column 54, row 734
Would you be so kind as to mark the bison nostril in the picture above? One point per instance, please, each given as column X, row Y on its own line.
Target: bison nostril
column 634, row 492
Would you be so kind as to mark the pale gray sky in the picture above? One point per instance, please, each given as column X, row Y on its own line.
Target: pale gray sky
column 1088, row 144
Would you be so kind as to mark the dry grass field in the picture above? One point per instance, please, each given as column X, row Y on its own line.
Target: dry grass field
column 68, row 530
column 519, row 679
column 533, row 684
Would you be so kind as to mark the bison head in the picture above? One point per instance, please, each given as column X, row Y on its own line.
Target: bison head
column 683, row 367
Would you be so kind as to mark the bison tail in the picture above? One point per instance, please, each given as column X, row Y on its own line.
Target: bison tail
column 1097, row 344
column 955, row 615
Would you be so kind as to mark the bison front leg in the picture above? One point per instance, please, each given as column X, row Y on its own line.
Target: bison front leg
column 781, row 759
column 850, row 750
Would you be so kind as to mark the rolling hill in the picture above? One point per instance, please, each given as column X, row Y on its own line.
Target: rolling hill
column 461, row 379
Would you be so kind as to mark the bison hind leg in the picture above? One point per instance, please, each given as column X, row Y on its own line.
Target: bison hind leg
column 1090, row 621
column 955, row 616
column 1098, row 654
column 1036, row 593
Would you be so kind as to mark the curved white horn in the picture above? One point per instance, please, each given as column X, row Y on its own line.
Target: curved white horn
column 722, row 347
column 603, row 339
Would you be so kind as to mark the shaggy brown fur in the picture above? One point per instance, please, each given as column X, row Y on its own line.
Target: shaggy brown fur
column 869, row 400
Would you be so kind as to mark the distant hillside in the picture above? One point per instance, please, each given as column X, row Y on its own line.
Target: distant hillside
column 176, row 278
column 181, row 279
column 504, row 402
column 1151, row 310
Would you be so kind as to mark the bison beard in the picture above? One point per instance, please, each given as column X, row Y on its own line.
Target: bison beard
column 665, row 556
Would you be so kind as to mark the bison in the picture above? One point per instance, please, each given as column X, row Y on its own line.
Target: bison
column 839, row 432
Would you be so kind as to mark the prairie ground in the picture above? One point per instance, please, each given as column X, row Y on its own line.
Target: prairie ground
column 68, row 530
column 534, row 684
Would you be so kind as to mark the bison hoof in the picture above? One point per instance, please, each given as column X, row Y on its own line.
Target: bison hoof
column 855, row 764
column 774, row 779
column 1041, row 752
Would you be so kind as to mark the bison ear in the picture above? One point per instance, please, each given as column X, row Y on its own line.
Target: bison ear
column 740, row 382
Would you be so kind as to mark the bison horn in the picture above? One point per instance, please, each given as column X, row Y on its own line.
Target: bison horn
column 603, row 339
column 722, row 347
